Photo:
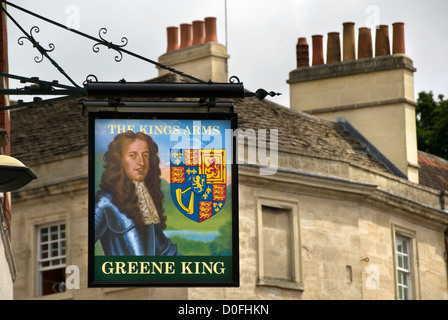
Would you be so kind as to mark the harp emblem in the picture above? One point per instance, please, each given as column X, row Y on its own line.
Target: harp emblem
column 198, row 182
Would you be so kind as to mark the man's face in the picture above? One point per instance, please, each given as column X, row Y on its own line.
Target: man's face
column 135, row 160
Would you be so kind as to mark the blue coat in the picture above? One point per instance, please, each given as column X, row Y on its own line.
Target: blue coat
column 119, row 236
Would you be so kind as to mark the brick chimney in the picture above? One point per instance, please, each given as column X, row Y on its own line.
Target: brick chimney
column 198, row 53
column 375, row 94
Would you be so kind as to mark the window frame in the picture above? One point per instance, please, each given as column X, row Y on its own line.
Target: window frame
column 282, row 203
column 38, row 247
column 410, row 237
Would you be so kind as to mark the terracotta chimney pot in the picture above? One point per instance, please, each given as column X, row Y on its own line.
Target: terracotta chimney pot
column 382, row 43
column 210, row 30
column 302, row 50
column 185, row 35
column 198, row 32
column 172, row 38
column 349, row 50
column 398, row 38
column 365, row 49
column 318, row 50
column 333, row 48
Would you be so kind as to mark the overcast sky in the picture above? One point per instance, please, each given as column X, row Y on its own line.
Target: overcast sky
column 261, row 36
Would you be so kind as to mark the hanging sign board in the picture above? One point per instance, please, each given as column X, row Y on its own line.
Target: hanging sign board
column 163, row 203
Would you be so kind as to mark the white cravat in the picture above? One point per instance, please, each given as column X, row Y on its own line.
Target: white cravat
column 146, row 204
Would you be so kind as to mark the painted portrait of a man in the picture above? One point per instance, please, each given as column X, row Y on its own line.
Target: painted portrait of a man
column 129, row 215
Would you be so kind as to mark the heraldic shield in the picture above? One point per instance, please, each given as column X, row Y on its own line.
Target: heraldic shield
column 198, row 182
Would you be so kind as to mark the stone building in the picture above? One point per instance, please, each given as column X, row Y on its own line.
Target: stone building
column 353, row 210
column 7, row 265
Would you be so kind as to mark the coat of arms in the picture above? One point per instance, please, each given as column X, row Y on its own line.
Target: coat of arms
column 198, row 182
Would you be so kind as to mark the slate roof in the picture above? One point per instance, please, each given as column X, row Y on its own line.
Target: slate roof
column 303, row 134
column 433, row 171
column 47, row 133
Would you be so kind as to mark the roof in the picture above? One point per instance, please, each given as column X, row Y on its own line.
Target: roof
column 433, row 171
column 304, row 134
column 46, row 133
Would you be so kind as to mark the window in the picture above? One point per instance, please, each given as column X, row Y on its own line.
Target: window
column 407, row 282
column 278, row 244
column 51, row 244
column 404, row 267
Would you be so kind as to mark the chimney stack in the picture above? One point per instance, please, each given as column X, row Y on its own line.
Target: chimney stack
column 198, row 32
column 365, row 49
column 198, row 52
column 318, row 50
column 172, row 38
column 349, row 52
column 375, row 94
column 302, row 50
column 382, row 43
column 210, row 30
column 185, row 35
column 398, row 38
column 333, row 48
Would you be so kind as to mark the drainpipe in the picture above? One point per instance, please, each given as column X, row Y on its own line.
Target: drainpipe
column 446, row 250
column 442, row 199
column 442, row 206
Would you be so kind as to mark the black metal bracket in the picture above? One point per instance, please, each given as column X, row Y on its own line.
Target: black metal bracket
column 164, row 90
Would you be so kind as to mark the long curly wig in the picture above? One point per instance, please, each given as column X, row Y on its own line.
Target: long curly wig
column 115, row 181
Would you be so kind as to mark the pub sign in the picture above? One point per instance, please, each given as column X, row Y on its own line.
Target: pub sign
column 163, row 203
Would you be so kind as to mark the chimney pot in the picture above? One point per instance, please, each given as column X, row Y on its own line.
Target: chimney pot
column 172, row 38
column 398, row 38
column 185, row 35
column 318, row 50
column 349, row 50
column 365, row 49
column 210, row 29
column 302, row 51
column 198, row 32
column 382, row 44
column 333, row 48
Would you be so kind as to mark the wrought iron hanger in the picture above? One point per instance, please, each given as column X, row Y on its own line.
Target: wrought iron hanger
column 40, row 87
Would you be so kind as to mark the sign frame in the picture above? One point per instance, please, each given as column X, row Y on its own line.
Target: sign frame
column 165, row 271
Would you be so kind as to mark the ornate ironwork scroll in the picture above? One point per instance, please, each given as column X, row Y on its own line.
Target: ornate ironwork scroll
column 36, row 44
column 110, row 45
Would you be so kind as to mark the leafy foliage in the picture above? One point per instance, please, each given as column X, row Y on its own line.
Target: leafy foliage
column 221, row 246
column 432, row 124
column 191, row 247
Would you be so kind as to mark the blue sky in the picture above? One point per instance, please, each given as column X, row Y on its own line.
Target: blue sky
column 261, row 36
